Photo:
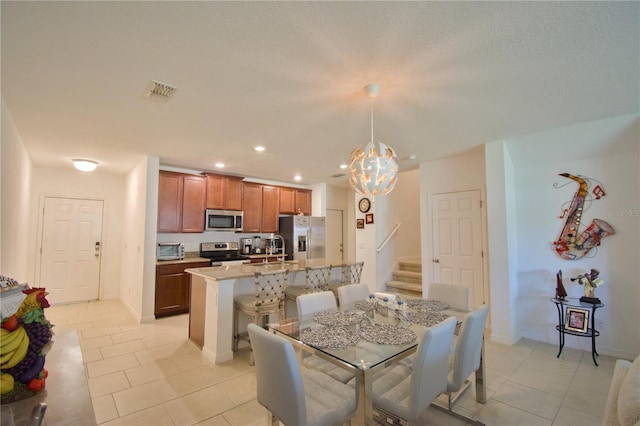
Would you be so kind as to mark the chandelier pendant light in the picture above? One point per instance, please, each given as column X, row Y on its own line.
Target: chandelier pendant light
column 372, row 170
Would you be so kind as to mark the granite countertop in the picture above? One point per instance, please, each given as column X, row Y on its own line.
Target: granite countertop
column 231, row 272
column 182, row 261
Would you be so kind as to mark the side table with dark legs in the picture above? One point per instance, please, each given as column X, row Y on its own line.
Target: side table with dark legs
column 570, row 302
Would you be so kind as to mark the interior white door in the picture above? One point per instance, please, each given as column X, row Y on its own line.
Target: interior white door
column 457, row 242
column 71, row 249
column 334, row 228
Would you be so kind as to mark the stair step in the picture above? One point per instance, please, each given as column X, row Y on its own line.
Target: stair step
column 408, row 276
column 410, row 265
column 402, row 287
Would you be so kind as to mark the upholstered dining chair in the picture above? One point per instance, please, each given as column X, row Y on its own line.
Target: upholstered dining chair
column 351, row 293
column 456, row 296
column 292, row 397
column 308, row 304
column 315, row 302
column 468, row 350
column 268, row 298
column 316, row 280
column 406, row 392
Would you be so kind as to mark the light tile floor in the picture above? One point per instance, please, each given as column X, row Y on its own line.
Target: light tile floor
column 151, row 374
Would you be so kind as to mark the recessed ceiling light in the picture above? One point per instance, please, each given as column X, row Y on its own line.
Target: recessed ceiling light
column 220, row 165
column 297, row 177
column 259, row 148
column 84, row 165
column 343, row 166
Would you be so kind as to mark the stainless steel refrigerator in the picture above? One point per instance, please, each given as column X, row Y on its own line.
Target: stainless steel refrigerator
column 304, row 236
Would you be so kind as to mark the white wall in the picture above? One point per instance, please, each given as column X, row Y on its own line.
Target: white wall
column 138, row 260
column 15, row 188
column 612, row 146
column 71, row 183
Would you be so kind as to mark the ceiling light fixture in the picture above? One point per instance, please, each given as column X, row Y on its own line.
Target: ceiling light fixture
column 84, row 165
column 372, row 171
column 259, row 148
column 220, row 165
column 297, row 177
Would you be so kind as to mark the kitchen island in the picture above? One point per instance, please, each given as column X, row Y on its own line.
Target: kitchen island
column 212, row 292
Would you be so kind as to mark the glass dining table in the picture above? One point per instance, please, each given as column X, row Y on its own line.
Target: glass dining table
column 367, row 337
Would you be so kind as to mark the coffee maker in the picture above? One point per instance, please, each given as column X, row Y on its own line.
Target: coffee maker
column 246, row 244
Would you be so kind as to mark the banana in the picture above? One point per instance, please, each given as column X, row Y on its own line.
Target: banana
column 4, row 332
column 5, row 357
column 19, row 353
column 12, row 341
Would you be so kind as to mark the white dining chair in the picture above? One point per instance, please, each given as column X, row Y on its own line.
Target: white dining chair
column 350, row 293
column 309, row 304
column 406, row 392
column 315, row 302
column 456, row 296
column 292, row 397
column 468, row 350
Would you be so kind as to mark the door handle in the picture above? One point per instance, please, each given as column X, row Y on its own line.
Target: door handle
column 435, row 260
column 97, row 249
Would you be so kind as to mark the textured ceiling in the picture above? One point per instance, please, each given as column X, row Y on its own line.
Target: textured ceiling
column 289, row 75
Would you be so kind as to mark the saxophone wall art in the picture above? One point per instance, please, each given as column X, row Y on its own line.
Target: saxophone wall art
column 574, row 242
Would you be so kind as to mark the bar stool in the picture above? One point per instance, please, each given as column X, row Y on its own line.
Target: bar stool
column 350, row 274
column 316, row 279
column 268, row 298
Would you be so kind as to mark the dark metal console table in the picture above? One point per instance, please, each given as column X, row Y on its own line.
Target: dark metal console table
column 590, row 331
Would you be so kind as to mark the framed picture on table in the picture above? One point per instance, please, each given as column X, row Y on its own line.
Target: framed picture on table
column 577, row 320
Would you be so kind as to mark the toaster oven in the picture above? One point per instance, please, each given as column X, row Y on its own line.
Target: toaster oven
column 170, row 251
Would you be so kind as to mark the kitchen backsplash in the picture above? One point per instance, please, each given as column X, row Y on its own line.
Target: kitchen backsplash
column 192, row 241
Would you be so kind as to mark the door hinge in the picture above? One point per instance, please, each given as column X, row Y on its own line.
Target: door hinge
column 481, row 253
column 480, row 203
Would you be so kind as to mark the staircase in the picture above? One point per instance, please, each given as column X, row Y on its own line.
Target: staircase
column 407, row 279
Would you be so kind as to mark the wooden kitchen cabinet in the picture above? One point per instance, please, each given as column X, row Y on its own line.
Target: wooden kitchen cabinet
column 270, row 208
column 224, row 192
column 170, row 186
column 294, row 199
column 193, row 203
column 173, row 287
column 261, row 204
column 181, row 202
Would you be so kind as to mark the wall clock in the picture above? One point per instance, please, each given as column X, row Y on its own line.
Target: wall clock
column 364, row 205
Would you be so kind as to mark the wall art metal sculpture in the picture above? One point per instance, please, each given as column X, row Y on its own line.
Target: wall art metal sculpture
column 574, row 242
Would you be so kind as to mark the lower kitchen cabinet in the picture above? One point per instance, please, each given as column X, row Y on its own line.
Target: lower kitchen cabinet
column 173, row 288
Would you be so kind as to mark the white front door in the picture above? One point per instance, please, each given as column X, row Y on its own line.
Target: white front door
column 334, row 227
column 457, row 242
column 71, row 249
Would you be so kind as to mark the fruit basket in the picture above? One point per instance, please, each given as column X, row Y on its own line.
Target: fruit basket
column 25, row 339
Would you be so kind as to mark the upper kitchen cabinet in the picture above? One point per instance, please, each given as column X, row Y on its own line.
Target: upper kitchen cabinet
column 224, row 192
column 181, row 202
column 260, row 206
column 294, row 201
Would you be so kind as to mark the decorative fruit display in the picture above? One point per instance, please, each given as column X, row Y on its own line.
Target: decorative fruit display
column 25, row 338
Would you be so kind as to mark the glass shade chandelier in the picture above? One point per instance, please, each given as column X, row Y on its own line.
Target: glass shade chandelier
column 372, row 170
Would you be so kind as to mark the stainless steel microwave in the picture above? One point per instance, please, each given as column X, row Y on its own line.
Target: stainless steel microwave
column 223, row 220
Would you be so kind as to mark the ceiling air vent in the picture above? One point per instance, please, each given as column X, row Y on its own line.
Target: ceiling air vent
column 158, row 92
column 337, row 175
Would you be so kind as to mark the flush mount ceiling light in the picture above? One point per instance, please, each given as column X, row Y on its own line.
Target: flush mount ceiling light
column 84, row 165
column 372, row 171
